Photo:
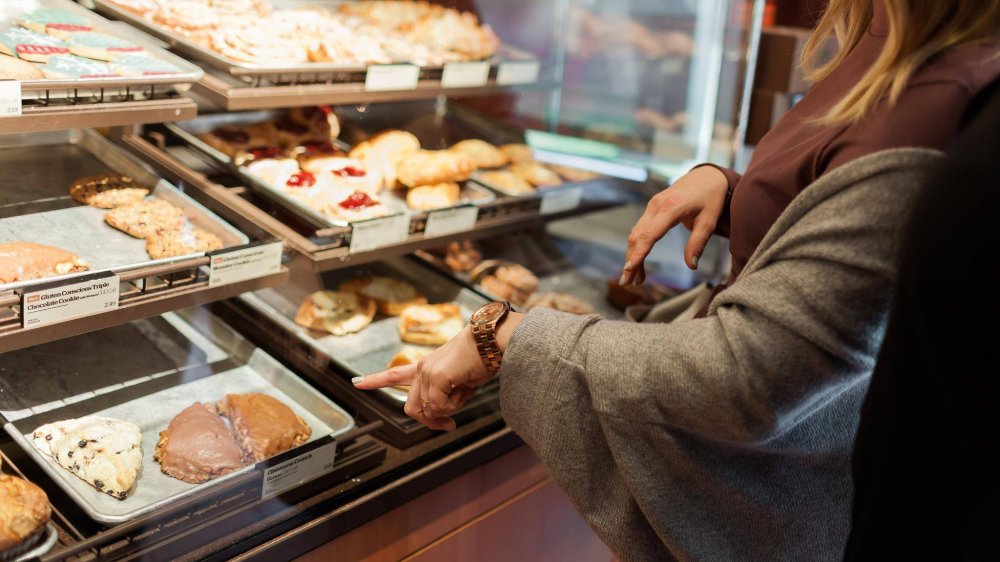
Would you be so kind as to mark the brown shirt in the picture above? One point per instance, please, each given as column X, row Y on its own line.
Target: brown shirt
column 797, row 152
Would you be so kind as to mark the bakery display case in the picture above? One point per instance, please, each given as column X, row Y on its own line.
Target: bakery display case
column 67, row 67
column 280, row 195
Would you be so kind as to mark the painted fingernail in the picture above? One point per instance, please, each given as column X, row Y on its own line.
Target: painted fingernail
column 694, row 261
column 628, row 266
column 623, row 280
column 356, row 380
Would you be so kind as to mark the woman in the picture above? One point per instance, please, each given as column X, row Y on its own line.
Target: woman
column 729, row 436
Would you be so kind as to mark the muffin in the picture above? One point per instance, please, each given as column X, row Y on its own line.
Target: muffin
column 24, row 512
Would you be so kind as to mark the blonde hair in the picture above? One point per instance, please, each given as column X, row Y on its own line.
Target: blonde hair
column 918, row 31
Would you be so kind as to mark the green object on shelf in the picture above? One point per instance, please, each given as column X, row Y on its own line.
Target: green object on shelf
column 540, row 140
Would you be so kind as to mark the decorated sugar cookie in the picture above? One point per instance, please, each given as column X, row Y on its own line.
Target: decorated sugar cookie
column 30, row 45
column 58, row 23
column 72, row 66
column 141, row 65
column 100, row 46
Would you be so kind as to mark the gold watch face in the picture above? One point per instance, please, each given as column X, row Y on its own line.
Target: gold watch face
column 488, row 313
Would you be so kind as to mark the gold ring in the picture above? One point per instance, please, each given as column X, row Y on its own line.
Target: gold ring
column 424, row 404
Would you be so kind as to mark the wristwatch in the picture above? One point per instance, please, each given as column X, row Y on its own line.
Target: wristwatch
column 485, row 322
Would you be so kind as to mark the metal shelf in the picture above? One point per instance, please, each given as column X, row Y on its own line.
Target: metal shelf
column 91, row 111
column 327, row 249
column 144, row 292
column 235, row 95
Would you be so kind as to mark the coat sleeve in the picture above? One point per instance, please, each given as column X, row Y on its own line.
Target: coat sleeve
column 600, row 402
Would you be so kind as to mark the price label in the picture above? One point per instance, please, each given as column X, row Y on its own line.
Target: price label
column 391, row 77
column 233, row 266
column 66, row 300
column 295, row 472
column 519, row 72
column 561, row 201
column 377, row 233
column 10, row 98
column 465, row 74
column 450, row 221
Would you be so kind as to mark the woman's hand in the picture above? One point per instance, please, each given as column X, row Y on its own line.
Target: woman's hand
column 696, row 199
column 445, row 380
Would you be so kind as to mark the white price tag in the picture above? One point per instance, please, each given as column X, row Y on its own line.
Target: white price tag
column 391, row 77
column 375, row 233
column 450, row 221
column 519, row 72
column 10, row 98
column 465, row 74
column 233, row 266
column 561, row 201
column 298, row 471
column 62, row 300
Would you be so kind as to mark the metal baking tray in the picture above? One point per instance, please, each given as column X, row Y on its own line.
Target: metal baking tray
column 471, row 194
column 370, row 350
column 228, row 364
column 239, row 68
column 36, row 170
column 189, row 73
column 560, row 267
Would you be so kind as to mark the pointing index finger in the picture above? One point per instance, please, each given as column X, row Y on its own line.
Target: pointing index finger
column 402, row 375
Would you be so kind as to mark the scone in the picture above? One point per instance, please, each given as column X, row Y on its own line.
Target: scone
column 197, row 446
column 485, row 154
column 107, row 191
column 263, row 425
column 426, row 167
column 22, row 261
column 559, row 301
column 230, row 139
column 505, row 181
column 430, row 197
column 573, row 174
column 321, row 120
column 392, row 296
column 517, row 152
column 17, row 69
column 173, row 243
column 536, row 174
column 462, row 256
column 339, row 313
column 146, row 218
column 24, row 511
column 430, row 324
column 409, row 355
column 503, row 291
column 505, row 280
column 383, row 151
column 104, row 452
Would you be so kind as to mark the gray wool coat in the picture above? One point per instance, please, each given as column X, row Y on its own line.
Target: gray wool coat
column 727, row 437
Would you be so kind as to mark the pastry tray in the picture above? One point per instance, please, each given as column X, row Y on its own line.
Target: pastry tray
column 370, row 350
column 560, row 267
column 189, row 73
column 211, row 361
column 36, row 170
column 471, row 194
column 187, row 47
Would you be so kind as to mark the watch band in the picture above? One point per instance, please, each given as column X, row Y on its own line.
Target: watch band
column 484, row 325
column 486, row 343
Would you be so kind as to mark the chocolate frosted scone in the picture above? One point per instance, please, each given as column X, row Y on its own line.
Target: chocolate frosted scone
column 263, row 425
column 197, row 446
column 145, row 218
column 173, row 243
column 107, row 191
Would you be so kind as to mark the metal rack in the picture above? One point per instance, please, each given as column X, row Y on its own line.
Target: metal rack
column 329, row 248
column 62, row 107
column 145, row 292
